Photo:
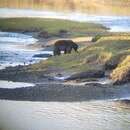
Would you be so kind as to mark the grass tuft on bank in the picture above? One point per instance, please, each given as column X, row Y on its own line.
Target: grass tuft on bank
column 122, row 73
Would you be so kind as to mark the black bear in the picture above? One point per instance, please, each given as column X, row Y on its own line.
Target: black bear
column 64, row 45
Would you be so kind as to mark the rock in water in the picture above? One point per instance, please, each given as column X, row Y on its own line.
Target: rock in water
column 42, row 55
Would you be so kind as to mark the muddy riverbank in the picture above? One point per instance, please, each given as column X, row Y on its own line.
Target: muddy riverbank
column 68, row 93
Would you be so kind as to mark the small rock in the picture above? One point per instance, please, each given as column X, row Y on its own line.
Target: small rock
column 44, row 34
column 42, row 55
column 94, row 84
column 62, row 31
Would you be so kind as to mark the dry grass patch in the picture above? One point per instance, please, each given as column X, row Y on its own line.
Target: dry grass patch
column 122, row 73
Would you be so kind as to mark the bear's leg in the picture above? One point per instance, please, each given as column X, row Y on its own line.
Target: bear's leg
column 69, row 50
column 65, row 51
column 56, row 51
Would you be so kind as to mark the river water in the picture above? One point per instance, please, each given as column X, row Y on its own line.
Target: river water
column 21, row 115
column 14, row 50
column 94, row 115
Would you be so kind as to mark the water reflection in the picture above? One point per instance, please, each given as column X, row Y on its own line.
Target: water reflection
column 92, row 7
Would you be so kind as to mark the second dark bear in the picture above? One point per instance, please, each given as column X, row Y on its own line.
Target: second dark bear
column 64, row 45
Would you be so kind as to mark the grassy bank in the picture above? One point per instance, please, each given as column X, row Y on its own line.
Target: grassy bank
column 106, row 54
column 51, row 26
column 102, row 52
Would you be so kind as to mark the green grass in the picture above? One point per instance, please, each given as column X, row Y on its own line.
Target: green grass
column 89, row 58
column 110, row 49
column 52, row 26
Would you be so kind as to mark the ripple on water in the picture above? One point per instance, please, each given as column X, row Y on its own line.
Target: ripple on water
column 94, row 115
column 16, row 38
column 14, row 50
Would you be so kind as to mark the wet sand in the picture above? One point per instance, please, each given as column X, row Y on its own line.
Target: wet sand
column 68, row 93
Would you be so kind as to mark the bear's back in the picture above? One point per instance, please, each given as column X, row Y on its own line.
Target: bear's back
column 63, row 42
